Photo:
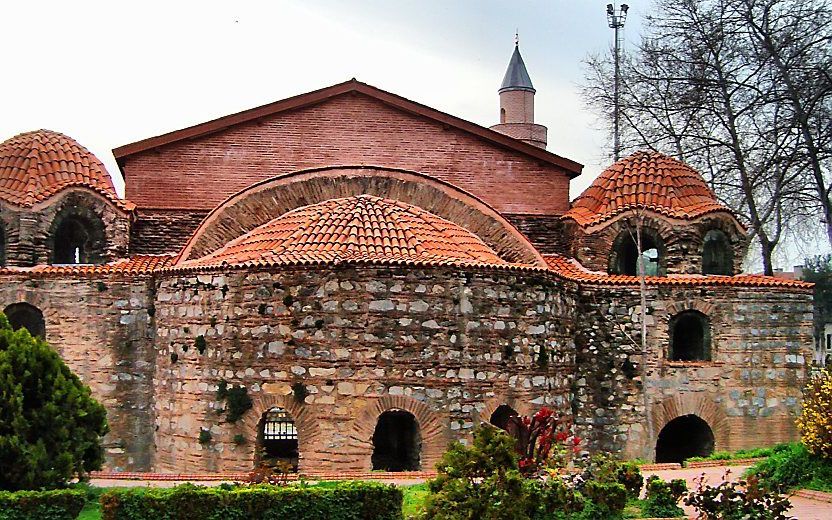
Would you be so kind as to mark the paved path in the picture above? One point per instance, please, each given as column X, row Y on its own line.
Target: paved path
column 802, row 508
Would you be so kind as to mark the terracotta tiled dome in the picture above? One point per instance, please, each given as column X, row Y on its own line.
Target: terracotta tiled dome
column 648, row 180
column 36, row 165
column 359, row 228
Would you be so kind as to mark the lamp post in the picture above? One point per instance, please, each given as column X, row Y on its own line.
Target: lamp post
column 616, row 19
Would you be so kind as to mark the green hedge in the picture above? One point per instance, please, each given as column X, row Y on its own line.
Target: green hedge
column 62, row 504
column 345, row 501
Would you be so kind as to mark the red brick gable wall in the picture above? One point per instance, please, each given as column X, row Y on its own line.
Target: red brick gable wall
column 350, row 129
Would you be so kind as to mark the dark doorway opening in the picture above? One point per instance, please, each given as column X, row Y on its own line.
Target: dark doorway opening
column 690, row 337
column 278, row 438
column 684, row 437
column 29, row 317
column 501, row 416
column 78, row 240
column 397, row 442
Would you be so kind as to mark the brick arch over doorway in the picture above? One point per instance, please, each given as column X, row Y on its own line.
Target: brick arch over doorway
column 433, row 431
column 267, row 200
column 701, row 405
column 305, row 423
column 520, row 406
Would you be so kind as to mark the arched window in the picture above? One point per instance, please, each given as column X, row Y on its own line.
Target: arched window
column 624, row 256
column 502, row 115
column 397, row 442
column 690, row 337
column 501, row 416
column 29, row 317
column 78, row 239
column 684, row 437
column 717, row 255
column 278, row 438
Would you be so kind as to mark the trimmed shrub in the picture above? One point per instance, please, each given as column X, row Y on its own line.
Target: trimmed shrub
column 61, row 504
column 815, row 421
column 50, row 426
column 550, row 497
column 629, row 476
column 662, row 498
column 344, row 501
column 480, row 481
column 609, row 498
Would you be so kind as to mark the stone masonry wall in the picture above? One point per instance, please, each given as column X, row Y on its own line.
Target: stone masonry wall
column 445, row 345
column 103, row 329
column 681, row 242
column 749, row 393
column 30, row 233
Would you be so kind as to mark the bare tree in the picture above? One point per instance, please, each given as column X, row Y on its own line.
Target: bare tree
column 698, row 88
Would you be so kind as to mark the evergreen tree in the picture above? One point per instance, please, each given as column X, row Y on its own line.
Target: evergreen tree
column 50, row 426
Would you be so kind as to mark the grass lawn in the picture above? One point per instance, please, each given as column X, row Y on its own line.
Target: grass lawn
column 92, row 511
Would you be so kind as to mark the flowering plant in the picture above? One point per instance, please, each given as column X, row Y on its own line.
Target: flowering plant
column 543, row 442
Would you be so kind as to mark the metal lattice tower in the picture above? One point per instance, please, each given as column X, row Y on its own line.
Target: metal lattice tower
column 616, row 19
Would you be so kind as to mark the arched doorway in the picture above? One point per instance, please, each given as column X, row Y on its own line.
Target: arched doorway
column 684, row 437
column 277, row 439
column 26, row 316
column 397, row 442
column 501, row 416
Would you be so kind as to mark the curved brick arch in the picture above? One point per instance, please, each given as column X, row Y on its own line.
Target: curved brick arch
column 702, row 405
column 267, row 200
column 674, row 308
column 433, row 430
column 307, row 426
column 491, row 405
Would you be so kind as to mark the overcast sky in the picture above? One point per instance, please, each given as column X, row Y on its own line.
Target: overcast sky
column 108, row 73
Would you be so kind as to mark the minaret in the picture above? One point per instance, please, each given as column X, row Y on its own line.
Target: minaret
column 517, row 104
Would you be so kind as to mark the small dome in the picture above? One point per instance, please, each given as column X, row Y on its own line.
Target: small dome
column 647, row 180
column 359, row 228
column 36, row 165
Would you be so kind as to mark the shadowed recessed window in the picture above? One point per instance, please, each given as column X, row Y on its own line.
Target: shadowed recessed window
column 397, row 442
column 29, row 317
column 717, row 255
column 501, row 416
column 624, row 257
column 684, row 437
column 278, row 438
column 690, row 337
column 78, row 240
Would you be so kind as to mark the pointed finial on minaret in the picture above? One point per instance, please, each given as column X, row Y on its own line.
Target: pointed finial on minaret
column 517, row 37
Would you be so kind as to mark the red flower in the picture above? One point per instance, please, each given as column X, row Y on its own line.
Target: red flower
column 561, row 436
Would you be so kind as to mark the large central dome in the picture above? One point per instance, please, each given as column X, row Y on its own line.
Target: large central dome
column 359, row 228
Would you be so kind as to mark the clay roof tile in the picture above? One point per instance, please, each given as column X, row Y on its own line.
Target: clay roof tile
column 648, row 180
column 362, row 227
column 36, row 165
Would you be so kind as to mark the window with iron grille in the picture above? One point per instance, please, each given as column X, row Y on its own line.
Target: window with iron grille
column 278, row 425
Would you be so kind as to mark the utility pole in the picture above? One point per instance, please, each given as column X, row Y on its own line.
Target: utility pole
column 616, row 19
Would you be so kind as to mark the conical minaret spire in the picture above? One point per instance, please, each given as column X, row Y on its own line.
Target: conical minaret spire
column 517, row 103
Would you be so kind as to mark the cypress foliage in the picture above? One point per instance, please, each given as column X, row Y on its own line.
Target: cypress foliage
column 50, row 426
